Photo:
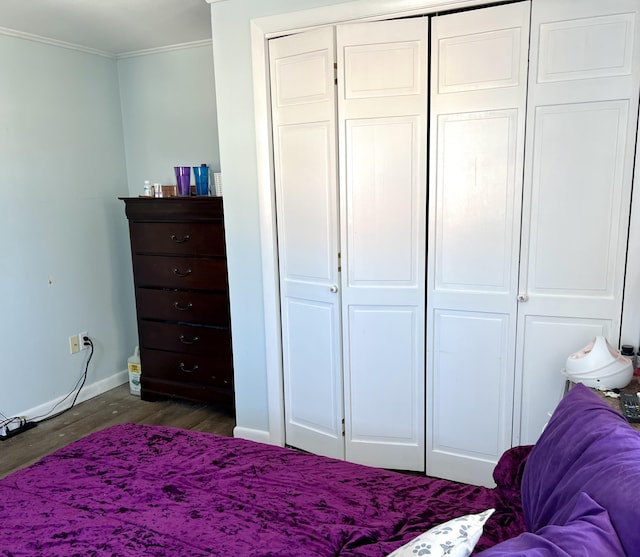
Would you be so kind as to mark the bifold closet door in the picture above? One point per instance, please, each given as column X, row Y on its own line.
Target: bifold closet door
column 382, row 108
column 581, row 132
column 304, row 144
column 478, row 100
column 352, row 270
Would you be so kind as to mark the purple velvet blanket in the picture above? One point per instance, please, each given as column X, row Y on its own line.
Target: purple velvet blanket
column 135, row 490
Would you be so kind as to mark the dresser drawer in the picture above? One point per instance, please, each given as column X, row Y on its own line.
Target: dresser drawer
column 156, row 389
column 178, row 238
column 180, row 272
column 200, row 341
column 210, row 308
column 186, row 368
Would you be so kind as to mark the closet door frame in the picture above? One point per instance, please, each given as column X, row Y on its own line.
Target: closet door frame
column 263, row 29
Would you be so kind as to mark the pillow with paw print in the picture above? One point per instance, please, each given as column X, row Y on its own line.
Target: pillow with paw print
column 455, row 538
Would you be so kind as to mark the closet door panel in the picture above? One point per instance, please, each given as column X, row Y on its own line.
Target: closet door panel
column 586, row 47
column 467, row 425
column 382, row 194
column 382, row 122
column 577, row 177
column 545, row 345
column 478, row 94
column 306, row 245
column 473, row 61
column 312, row 348
column 384, row 380
column 582, row 107
column 301, row 79
column 387, row 69
column 304, row 145
column 476, row 169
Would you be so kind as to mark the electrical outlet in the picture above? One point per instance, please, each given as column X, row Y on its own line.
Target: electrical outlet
column 74, row 345
column 81, row 342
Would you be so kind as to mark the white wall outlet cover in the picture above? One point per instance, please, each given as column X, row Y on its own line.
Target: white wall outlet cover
column 81, row 341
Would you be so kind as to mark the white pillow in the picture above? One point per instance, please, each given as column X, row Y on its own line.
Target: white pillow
column 455, row 538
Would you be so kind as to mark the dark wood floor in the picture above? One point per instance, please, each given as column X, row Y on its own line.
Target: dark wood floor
column 111, row 408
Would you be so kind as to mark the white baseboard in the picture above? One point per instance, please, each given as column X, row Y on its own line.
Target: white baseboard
column 117, row 379
column 87, row 392
column 258, row 435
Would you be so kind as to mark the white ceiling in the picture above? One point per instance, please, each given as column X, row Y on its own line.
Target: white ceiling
column 110, row 27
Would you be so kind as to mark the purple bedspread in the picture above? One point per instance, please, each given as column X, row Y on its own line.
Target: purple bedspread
column 134, row 490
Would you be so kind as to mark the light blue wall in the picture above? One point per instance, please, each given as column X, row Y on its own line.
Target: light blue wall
column 65, row 262
column 65, row 265
column 169, row 114
column 234, row 94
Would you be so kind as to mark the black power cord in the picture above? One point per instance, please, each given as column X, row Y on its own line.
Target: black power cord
column 7, row 432
column 86, row 341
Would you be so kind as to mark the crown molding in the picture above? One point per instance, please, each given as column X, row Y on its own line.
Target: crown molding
column 54, row 42
column 88, row 50
column 169, row 48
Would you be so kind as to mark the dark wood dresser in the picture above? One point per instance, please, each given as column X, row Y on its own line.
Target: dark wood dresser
column 182, row 301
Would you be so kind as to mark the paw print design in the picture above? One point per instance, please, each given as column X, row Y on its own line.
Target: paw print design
column 422, row 549
column 442, row 531
column 447, row 547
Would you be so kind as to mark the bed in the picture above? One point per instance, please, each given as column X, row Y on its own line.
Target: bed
column 133, row 490
column 140, row 490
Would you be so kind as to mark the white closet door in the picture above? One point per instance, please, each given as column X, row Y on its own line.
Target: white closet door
column 478, row 94
column 583, row 95
column 304, row 137
column 382, row 107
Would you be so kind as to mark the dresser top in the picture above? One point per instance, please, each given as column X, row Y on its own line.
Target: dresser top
column 172, row 209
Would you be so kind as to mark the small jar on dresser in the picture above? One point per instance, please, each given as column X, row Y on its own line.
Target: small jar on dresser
column 182, row 300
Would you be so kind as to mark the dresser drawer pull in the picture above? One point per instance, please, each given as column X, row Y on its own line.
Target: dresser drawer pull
column 182, row 308
column 177, row 272
column 184, row 340
column 225, row 381
column 179, row 240
column 194, row 368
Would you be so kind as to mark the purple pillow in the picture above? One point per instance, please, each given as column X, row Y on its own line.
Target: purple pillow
column 586, row 447
column 588, row 531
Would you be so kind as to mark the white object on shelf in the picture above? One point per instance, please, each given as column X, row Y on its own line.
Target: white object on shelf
column 217, row 182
